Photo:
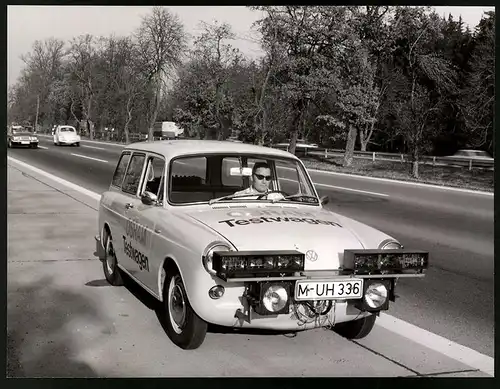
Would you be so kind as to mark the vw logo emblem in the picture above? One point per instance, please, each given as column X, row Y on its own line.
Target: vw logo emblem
column 311, row 255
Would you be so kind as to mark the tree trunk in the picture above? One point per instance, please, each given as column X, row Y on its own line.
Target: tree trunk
column 415, row 157
column 365, row 136
column 127, row 122
column 349, row 148
column 154, row 114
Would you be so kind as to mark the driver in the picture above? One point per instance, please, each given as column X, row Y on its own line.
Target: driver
column 261, row 178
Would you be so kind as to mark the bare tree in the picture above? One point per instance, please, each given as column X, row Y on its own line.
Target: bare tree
column 161, row 42
column 83, row 55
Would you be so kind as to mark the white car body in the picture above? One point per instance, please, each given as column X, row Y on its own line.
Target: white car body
column 66, row 135
column 153, row 241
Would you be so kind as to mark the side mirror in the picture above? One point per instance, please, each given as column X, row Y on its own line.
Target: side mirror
column 324, row 200
column 149, row 198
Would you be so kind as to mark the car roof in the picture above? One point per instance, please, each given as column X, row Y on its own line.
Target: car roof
column 175, row 148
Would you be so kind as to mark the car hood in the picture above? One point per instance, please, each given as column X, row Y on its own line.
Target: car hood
column 316, row 232
column 23, row 134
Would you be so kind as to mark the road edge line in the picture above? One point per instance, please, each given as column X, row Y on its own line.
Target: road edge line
column 492, row 194
column 438, row 343
column 425, row 338
column 57, row 179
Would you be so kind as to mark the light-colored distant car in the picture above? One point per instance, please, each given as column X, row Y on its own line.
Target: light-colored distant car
column 66, row 135
column 473, row 154
column 21, row 136
column 279, row 260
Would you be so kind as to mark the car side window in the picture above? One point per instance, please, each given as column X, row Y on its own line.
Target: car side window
column 133, row 175
column 154, row 177
column 120, row 170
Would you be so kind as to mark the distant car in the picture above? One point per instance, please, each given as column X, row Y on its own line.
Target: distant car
column 277, row 260
column 21, row 136
column 66, row 135
column 473, row 154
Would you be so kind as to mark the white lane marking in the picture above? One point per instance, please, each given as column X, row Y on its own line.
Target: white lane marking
column 416, row 334
column 93, row 147
column 70, row 185
column 341, row 188
column 42, row 147
column 94, row 159
column 438, row 343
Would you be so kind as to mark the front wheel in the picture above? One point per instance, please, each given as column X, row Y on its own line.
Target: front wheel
column 356, row 329
column 77, row 144
column 110, row 264
column 183, row 326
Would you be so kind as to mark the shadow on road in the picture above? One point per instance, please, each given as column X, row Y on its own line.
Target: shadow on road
column 40, row 341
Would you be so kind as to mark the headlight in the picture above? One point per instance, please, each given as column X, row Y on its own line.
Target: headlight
column 208, row 254
column 390, row 244
column 274, row 298
column 33, row 138
column 376, row 295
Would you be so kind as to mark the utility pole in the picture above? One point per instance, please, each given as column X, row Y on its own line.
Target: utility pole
column 37, row 108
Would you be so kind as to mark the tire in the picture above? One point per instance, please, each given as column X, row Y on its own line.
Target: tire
column 110, row 264
column 9, row 144
column 187, row 331
column 77, row 144
column 35, row 146
column 356, row 329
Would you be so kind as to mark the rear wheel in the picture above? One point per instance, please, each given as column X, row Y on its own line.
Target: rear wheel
column 356, row 329
column 110, row 264
column 183, row 326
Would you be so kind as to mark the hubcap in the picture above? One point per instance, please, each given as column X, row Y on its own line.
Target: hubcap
column 177, row 305
column 110, row 255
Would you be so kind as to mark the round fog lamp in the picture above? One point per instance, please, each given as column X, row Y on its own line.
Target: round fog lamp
column 376, row 295
column 216, row 292
column 275, row 298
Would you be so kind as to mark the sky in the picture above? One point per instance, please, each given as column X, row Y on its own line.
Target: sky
column 66, row 22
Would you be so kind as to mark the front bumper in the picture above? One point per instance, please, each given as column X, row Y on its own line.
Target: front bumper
column 99, row 248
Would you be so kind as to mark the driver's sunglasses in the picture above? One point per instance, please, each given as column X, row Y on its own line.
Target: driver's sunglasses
column 261, row 177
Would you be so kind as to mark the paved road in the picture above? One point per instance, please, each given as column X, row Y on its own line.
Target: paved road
column 65, row 320
column 455, row 300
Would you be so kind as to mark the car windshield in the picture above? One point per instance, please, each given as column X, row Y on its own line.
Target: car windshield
column 67, row 129
column 21, row 130
column 220, row 177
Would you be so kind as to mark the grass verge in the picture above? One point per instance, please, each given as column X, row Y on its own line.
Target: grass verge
column 459, row 177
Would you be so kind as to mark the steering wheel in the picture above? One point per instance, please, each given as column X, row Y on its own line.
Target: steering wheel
column 272, row 191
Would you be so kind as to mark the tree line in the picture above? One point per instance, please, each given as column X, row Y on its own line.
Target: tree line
column 386, row 78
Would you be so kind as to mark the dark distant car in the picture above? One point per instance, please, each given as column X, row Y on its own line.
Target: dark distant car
column 473, row 154
column 21, row 136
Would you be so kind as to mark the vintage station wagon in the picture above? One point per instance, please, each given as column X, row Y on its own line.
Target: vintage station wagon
column 236, row 235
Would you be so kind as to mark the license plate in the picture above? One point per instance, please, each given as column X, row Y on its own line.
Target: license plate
column 25, row 142
column 329, row 290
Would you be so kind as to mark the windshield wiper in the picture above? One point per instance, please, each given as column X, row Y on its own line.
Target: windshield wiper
column 301, row 196
column 229, row 197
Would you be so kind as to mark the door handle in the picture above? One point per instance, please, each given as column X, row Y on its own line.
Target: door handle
column 129, row 205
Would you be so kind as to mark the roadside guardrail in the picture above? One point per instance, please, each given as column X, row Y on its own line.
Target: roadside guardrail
column 326, row 154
